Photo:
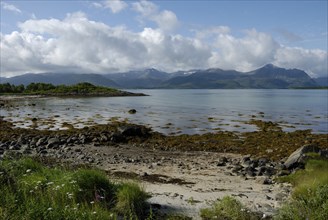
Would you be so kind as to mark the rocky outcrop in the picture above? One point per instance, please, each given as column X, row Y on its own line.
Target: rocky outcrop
column 298, row 157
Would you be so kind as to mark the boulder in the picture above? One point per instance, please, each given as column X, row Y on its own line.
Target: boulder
column 132, row 111
column 297, row 158
column 133, row 130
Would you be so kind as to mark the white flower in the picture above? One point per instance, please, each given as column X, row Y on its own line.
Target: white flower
column 28, row 170
column 49, row 209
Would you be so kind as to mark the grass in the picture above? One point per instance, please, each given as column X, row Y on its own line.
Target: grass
column 310, row 196
column 131, row 200
column 30, row 190
column 227, row 209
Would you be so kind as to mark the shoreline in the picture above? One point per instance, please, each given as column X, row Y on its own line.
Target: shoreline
column 181, row 177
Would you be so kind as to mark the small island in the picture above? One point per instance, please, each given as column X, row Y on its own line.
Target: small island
column 83, row 89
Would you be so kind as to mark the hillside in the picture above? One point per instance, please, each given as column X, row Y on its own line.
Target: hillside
column 266, row 77
column 60, row 78
column 78, row 90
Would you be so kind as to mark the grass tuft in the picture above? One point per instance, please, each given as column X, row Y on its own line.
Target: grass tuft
column 131, row 200
column 30, row 190
column 227, row 209
column 310, row 196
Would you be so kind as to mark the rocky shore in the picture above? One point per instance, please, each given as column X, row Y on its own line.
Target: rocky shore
column 183, row 173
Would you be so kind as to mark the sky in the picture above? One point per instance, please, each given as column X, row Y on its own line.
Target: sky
column 116, row 36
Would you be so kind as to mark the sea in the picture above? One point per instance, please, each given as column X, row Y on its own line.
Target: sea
column 180, row 111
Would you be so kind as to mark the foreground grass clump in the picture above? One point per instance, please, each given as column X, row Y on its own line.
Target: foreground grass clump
column 310, row 197
column 227, row 209
column 30, row 190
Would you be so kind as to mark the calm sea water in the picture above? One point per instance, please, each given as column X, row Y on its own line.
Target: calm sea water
column 182, row 111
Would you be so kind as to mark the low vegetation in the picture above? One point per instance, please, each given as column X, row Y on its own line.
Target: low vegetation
column 310, row 196
column 30, row 190
column 228, row 208
column 51, row 90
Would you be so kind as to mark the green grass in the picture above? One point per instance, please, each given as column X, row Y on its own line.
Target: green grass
column 131, row 200
column 227, row 209
column 30, row 190
column 310, row 196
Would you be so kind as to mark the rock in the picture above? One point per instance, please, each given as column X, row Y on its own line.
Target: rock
column 296, row 159
column 116, row 137
column 222, row 161
column 262, row 161
column 264, row 180
column 53, row 141
column 40, row 142
column 280, row 196
column 283, row 173
column 236, row 169
column 132, row 111
column 269, row 171
column 133, row 130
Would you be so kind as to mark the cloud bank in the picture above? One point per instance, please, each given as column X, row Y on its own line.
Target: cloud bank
column 78, row 44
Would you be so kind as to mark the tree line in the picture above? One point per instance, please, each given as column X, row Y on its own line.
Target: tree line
column 40, row 88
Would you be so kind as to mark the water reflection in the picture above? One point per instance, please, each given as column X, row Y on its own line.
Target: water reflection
column 181, row 111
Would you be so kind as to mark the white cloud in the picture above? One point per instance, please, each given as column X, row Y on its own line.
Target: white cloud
column 115, row 6
column 244, row 54
column 166, row 20
column 10, row 7
column 314, row 62
column 77, row 44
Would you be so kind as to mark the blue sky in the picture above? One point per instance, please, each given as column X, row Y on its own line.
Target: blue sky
column 41, row 36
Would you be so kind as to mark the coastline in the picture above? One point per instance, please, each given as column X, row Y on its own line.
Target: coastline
column 180, row 177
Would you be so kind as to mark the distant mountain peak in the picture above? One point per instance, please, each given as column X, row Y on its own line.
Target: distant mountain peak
column 270, row 66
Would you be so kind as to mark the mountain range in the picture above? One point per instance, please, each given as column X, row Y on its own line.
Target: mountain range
column 266, row 77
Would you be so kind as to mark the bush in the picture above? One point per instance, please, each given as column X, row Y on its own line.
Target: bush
column 227, row 209
column 131, row 200
column 30, row 190
column 310, row 196
column 94, row 186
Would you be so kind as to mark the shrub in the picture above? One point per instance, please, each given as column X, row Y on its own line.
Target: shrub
column 131, row 200
column 30, row 190
column 310, row 196
column 94, row 186
column 227, row 209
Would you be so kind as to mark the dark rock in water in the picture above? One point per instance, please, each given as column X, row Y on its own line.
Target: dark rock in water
column 297, row 158
column 132, row 111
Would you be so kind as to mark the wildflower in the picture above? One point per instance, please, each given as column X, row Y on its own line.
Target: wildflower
column 69, row 195
column 50, row 183
column 49, row 209
column 92, row 202
column 31, row 191
column 28, row 170
column 94, row 212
